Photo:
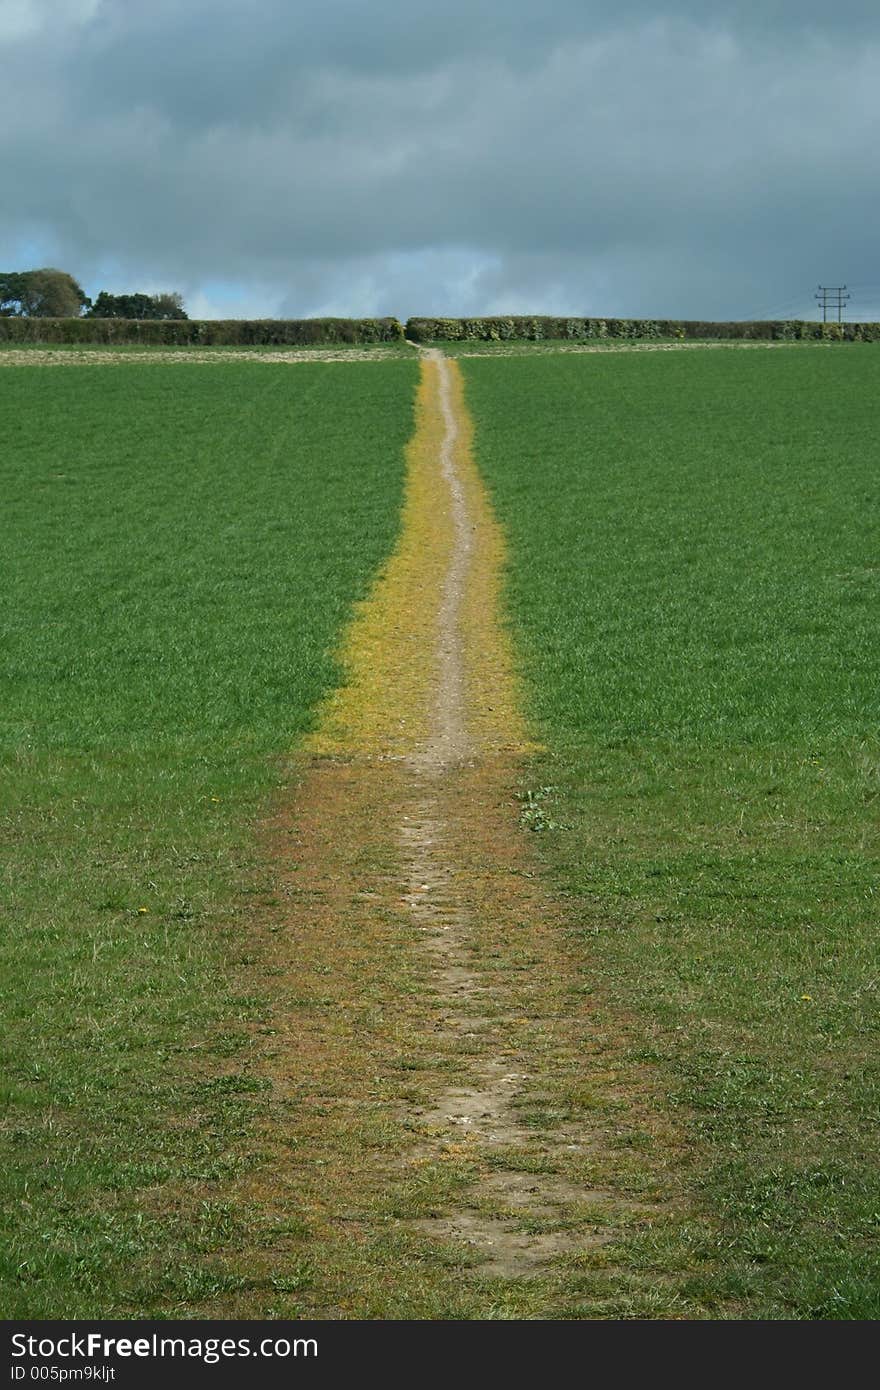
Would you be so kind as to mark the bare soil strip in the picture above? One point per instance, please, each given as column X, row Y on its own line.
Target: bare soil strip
column 106, row 357
column 445, row 1099
column 62, row 356
column 533, row 348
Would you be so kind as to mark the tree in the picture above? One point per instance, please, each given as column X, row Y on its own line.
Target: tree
column 169, row 306
column 43, row 294
column 12, row 290
column 137, row 306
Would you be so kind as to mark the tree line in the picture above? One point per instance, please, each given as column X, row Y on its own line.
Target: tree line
column 53, row 294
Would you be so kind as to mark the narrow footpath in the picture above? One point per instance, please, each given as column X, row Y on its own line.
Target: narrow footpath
column 447, row 1113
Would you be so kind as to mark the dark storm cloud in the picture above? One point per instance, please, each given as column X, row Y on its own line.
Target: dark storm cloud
column 372, row 155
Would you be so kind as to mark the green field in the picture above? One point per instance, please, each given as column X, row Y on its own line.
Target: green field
column 180, row 549
column 695, row 596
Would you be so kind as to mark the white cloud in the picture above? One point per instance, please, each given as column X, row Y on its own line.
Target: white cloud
column 22, row 19
column 19, row 19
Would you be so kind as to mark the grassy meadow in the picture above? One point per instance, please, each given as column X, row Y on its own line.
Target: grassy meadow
column 180, row 549
column 695, row 594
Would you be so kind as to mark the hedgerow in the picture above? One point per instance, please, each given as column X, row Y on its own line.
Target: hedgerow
column 326, row 332
column 535, row 329
column 202, row 332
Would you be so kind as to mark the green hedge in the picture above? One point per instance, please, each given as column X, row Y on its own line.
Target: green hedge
column 202, row 332
column 326, row 332
column 578, row 330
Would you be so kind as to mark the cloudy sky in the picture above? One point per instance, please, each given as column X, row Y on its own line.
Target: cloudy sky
column 301, row 157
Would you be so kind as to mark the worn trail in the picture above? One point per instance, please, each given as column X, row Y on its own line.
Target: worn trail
column 445, row 894
column 437, row 1049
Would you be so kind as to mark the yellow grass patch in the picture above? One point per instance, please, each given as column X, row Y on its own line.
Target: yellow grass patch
column 384, row 708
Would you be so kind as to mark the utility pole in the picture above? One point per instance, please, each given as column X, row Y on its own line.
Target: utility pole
column 832, row 297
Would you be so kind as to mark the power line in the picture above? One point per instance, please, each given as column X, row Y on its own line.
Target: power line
column 832, row 297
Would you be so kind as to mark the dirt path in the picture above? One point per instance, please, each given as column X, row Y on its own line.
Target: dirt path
column 456, row 1101
column 452, row 768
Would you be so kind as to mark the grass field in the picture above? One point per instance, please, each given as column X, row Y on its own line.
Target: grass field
column 179, row 551
column 210, row 1037
column 695, row 593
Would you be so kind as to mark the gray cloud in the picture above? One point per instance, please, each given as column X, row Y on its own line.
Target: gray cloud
column 375, row 156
